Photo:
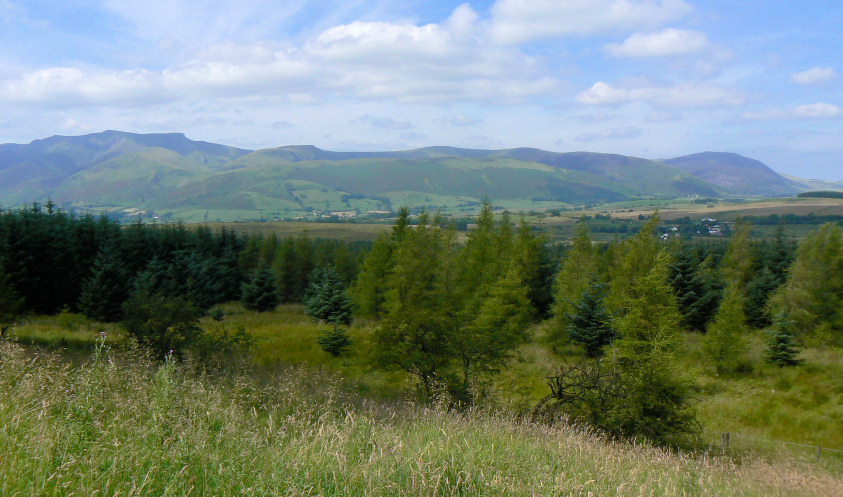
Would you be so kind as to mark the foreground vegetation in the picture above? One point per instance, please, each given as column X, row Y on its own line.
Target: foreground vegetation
column 119, row 424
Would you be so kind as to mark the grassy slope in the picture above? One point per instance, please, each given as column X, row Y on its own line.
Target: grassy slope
column 120, row 425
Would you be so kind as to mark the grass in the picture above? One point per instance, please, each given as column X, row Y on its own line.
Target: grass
column 121, row 425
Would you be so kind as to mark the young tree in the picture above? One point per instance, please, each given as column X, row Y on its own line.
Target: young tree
column 578, row 271
column 326, row 299
column 369, row 290
column 781, row 346
column 736, row 266
column 261, row 294
column 724, row 342
column 164, row 323
column 589, row 324
column 813, row 294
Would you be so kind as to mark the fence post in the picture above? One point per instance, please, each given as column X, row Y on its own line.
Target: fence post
column 724, row 441
column 818, row 453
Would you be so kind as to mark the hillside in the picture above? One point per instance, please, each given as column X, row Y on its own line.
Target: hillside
column 178, row 178
column 735, row 174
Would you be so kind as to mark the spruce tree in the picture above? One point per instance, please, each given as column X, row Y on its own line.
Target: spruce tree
column 105, row 291
column 10, row 303
column 369, row 290
column 589, row 324
column 326, row 299
column 724, row 342
column 781, row 345
column 260, row 293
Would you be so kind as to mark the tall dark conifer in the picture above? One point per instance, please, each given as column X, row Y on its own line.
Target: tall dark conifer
column 108, row 287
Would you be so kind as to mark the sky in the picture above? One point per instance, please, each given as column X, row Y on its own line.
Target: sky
column 649, row 78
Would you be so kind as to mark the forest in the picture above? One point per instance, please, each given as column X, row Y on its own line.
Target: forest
column 453, row 309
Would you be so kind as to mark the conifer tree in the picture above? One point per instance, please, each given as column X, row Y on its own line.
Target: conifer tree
column 781, row 345
column 724, row 342
column 10, row 303
column 737, row 264
column 326, row 299
column 105, row 291
column 589, row 324
column 578, row 270
column 260, row 293
column 369, row 289
column 813, row 294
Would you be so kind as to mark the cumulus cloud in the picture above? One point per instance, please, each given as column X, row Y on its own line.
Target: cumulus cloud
column 814, row 76
column 517, row 21
column 681, row 95
column 667, row 42
column 365, row 60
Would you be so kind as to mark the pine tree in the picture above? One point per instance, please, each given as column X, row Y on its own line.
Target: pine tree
column 758, row 291
column 781, row 346
column 334, row 341
column 261, row 294
column 589, row 324
column 736, row 266
column 724, row 342
column 105, row 291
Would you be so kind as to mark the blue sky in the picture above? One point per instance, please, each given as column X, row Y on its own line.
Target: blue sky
column 651, row 78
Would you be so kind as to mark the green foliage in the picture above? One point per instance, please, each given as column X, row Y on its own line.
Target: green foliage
column 261, row 293
column 103, row 294
column 781, row 344
column 369, row 290
column 698, row 293
column 813, row 294
column 165, row 324
column 577, row 272
column 736, row 266
column 334, row 341
column 725, row 344
column 10, row 303
column 326, row 299
column 589, row 324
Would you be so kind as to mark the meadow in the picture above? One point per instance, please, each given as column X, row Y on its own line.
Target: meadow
column 761, row 406
column 118, row 424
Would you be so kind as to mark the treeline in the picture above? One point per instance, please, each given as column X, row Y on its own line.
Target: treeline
column 52, row 260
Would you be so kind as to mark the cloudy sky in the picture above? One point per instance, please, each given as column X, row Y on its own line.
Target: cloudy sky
column 651, row 78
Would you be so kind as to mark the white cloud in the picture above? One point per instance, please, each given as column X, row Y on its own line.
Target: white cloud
column 367, row 60
column 818, row 111
column 611, row 134
column 517, row 21
column 682, row 95
column 384, row 122
column 667, row 42
column 814, row 76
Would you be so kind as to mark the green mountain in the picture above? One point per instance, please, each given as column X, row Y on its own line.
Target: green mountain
column 168, row 174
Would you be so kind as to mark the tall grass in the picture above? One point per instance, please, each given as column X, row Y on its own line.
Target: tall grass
column 118, row 424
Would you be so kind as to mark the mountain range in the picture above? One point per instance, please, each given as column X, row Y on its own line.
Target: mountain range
column 170, row 175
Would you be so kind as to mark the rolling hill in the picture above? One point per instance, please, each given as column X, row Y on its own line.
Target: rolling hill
column 169, row 174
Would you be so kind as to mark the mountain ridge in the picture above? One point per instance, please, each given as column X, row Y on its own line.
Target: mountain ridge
column 170, row 172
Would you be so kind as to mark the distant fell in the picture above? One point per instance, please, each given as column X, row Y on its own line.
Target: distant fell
column 735, row 174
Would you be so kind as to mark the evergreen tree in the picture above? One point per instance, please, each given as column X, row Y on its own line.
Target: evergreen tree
column 696, row 293
column 758, row 291
column 260, row 293
column 724, row 341
column 655, row 401
column 326, row 299
column 589, row 324
column 334, row 340
column 369, row 290
column 578, row 270
column 105, row 291
column 781, row 346
column 535, row 266
column 10, row 303
column 737, row 264
column 813, row 294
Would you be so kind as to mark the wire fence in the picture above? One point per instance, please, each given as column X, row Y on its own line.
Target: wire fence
column 725, row 441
